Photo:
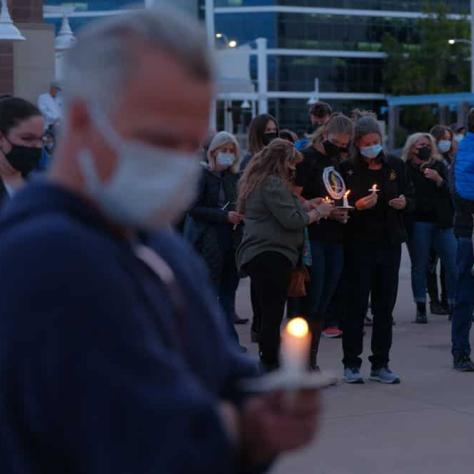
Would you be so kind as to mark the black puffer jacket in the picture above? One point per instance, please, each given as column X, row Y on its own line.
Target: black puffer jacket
column 207, row 225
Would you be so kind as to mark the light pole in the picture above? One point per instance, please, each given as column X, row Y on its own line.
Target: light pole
column 454, row 41
column 8, row 31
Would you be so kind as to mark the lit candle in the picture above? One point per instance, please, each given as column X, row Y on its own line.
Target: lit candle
column 345, row 202
column 295, row 344
column 327, row 200
column 374, row 189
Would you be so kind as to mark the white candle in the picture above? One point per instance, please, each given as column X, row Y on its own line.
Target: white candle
column 374, row 189
column 295, row 344
column 345, row 202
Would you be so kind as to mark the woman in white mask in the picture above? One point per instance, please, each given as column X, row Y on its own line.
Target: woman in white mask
column 216, row 224
column 447, row 147
column 445, row 142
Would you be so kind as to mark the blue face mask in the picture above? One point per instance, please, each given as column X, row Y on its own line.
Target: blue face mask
column 225, row 160
column 371, row 152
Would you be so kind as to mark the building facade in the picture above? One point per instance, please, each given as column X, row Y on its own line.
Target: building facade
column 338, row 42
column 27, row 67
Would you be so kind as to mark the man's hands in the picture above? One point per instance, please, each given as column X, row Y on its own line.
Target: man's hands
column 274, row 423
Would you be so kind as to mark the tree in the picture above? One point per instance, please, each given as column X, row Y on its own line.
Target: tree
column 430, row 65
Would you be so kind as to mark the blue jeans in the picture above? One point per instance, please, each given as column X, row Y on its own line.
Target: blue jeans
column 464, row 304
column 328, row 262
column 423, row 237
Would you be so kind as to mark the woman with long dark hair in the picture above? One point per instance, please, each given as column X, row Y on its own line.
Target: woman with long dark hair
column 21, row 142
column 263, row 130
column 273, row 236
column 447, row 147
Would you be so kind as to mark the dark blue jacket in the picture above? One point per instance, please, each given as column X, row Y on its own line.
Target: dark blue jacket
column 98, row 374
column 464, row 168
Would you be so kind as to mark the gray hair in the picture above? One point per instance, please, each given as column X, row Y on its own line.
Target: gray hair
column 105, row 56
column 220, row 139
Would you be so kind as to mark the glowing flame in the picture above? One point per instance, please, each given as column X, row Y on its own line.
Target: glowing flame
column 346, row 195
column 297, row 327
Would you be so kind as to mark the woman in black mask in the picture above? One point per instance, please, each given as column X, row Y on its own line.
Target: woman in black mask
column 431, row 223
column 318, row 177
column 263, row 130
column 21, row 141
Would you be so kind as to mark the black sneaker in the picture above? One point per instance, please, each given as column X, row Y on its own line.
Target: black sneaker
column 463, row 364
column 437, row 308
column 421, row 318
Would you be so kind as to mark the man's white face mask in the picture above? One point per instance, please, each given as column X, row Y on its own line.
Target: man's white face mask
column 150, row 188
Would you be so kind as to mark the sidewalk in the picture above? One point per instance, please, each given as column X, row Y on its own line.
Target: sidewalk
column 425, row 425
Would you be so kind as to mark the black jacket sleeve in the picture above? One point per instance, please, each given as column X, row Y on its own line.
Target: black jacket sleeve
column 201, row 211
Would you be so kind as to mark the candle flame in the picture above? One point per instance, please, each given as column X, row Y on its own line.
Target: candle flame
column 347, row 193
column 297, row 327
column 375, row 187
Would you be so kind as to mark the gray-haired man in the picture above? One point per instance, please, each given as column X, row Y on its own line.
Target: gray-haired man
column 112, row 356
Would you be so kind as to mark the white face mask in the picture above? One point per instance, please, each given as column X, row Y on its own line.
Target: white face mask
column 150, row 187
column 458, row 137
column 225, row 160
column 444, row 146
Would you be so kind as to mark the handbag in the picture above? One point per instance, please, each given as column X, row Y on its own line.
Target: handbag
column 300, row 275
column 298, row 279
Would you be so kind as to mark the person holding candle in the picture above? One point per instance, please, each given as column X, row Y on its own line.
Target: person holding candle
column 317, row 177
column 432, row 222
column 381, row 193
column 212, row 218
column 273, row 237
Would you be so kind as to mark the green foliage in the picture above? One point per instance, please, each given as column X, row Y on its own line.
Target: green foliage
column 430, row 65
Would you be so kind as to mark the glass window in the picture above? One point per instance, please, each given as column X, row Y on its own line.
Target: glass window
column 92, row 5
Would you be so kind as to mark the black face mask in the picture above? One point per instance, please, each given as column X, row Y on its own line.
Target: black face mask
column 333, row 150
column 424, row 153
column 23, row 158
column 269, row 137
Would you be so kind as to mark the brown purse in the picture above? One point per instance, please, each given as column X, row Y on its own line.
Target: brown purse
column 298, row 279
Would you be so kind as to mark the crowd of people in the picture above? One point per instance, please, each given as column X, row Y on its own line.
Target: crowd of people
column 336, row 203
column 118, row 348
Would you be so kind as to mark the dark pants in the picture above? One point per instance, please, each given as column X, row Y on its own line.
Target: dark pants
column 270, row 277
column 464, row 301
column 432, row 281
column 217, row 249
column 372, row 268
column 326, row 270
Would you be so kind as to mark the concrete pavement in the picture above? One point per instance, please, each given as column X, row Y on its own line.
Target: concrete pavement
column 424, row 425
